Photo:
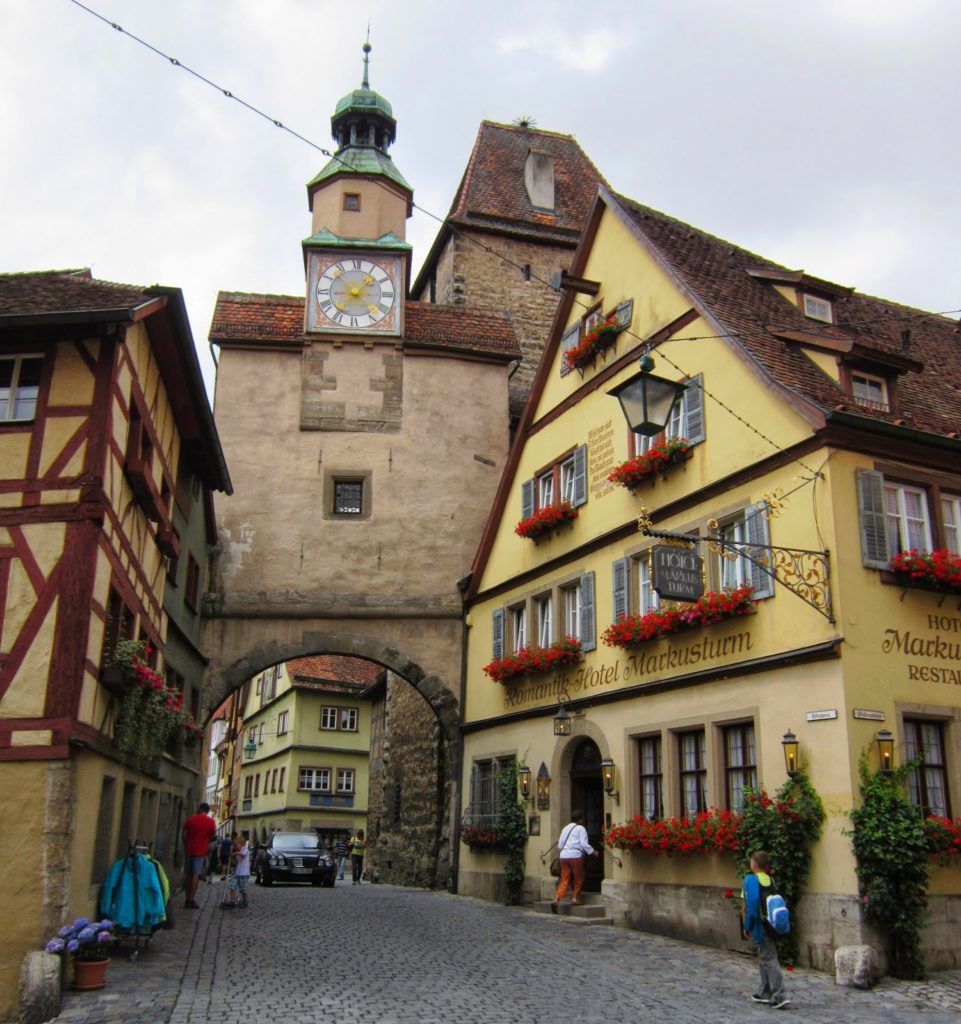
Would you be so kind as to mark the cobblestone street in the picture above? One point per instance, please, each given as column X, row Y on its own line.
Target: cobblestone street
column 353, row 955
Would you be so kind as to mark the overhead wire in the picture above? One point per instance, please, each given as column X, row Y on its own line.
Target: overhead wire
column 529, row 274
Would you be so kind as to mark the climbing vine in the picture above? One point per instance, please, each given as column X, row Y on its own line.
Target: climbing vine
column 510, row 828
column 892, row 850
column 786, row 825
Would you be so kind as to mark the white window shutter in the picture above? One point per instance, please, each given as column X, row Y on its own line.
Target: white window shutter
column 498, row 633
column 874, row 535
column 693, row 399
column 620, row 574
column 625, row 313
column 588, row 635
column 568, row 340
column 527, row 499
column 579, row 492
column 756, row 532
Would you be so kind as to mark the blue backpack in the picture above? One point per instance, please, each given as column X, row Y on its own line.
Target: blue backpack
column 774, row 910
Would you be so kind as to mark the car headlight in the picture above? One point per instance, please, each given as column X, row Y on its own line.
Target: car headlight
column 276, row 860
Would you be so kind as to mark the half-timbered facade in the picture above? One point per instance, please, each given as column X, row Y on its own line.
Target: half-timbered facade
column 101, row 408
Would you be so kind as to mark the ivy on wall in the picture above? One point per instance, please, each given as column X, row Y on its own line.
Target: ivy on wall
column 510, row 829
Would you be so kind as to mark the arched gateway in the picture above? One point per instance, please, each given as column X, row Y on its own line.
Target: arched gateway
column 365, row 436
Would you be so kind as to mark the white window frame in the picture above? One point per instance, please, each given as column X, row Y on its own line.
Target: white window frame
column 733, row 572
column 817, row 308
column 567, row 480
column 572, row 610
column 648, row 598
column 951, row 521
column 347, row 720
column 283, row 719
column 740, row 763
column 651, row 777
column 314, row 780
column 545, row 489
column 346, row 778
column 260, row 734
column 544, row 609
column 518, row 614
column 874, row 390
column 899, row 522
column 12, row 392
column 329, row 718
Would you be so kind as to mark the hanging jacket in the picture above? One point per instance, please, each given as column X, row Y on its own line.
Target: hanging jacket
column 132, row 895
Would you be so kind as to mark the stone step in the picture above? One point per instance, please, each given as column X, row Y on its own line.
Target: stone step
column 591, row 912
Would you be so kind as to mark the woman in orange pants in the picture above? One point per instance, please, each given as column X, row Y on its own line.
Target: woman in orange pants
column 572, row 848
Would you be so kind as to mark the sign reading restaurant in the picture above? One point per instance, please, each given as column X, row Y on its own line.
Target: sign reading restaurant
column 678, row 572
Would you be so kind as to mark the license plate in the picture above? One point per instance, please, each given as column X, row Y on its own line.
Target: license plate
column 301, row 871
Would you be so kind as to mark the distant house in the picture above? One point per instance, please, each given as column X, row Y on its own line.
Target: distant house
column 107, row 446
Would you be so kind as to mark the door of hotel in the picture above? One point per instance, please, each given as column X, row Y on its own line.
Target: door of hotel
column 587, row 793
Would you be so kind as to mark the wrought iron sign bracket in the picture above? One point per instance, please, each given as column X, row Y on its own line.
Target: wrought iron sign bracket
column 807, row 574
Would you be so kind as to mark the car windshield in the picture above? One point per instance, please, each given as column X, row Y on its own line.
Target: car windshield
column 295, row 842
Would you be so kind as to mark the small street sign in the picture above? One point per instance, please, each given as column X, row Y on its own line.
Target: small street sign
column 678, row 572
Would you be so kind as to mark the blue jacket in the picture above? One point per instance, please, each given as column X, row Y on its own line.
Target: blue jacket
column 753, row 915
column 133, row 896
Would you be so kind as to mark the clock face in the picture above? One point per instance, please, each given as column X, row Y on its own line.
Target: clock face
column 355, row 293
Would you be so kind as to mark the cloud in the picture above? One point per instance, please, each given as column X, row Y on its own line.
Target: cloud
column 588, row 52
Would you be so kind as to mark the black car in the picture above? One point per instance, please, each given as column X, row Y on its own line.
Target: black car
column 294, row 857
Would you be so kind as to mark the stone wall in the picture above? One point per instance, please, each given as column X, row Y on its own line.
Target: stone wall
column 409, row 842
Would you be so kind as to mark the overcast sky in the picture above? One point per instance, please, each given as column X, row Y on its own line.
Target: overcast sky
column 823, row 135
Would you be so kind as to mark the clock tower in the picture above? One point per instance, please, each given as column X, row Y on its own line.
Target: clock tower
column 357, row 260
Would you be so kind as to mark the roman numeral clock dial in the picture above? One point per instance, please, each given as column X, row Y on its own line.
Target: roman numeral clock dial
column 355, row 294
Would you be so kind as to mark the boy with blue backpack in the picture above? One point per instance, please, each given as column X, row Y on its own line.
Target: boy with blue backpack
column 765, row 916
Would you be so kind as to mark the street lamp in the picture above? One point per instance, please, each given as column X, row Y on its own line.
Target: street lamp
column 562, row 721
column 790, row 745
column 524, row 781
column 608, row 779
column 250, row 750
column 647, row 401
column 886, row 749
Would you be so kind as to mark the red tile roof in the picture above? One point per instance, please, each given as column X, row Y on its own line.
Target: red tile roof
column 241, row 318
column 62, row 292
column 724, row 278
column 331, row 671
column 492, row 193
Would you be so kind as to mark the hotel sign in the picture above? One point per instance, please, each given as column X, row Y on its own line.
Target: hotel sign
column 678, row 572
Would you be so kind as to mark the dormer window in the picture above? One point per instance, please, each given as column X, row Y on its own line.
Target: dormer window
column 870, row 391
column 539, row 179
column 816, row 308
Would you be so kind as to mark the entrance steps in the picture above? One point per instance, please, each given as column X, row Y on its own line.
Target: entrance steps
column 591, row 912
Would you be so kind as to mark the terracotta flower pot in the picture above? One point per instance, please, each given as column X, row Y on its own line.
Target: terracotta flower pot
column 90, row 974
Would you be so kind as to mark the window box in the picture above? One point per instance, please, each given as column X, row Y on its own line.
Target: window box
column 535, row 661
column 712, row 831
column 114, row 679
column 657, row 460
column 479, row 837
column 141, row 483
column 168, row 541
column 710, row 608
column 935, row 570
column 596, row 342
column 546, row 520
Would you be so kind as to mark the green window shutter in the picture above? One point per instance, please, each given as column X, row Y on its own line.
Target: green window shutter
column 620, row 574
column 588, row 635
column 579, row 492
column 568, row 340
column 874, row 532
column 498, row 633
column 756, row 532
column 527, row 499
column 693, row 400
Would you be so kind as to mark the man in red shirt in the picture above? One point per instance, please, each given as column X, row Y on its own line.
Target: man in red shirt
column 199, row 829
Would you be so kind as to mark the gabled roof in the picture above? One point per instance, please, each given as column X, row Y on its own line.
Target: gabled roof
column 53, row 299
column 334, row 673
column 277, row 321
column 732, row 289
column 492, row 196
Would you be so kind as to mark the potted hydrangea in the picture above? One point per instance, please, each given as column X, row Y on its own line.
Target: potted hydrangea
column 86, row 941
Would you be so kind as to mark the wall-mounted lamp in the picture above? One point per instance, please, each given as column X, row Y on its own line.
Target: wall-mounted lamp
column 524, row 781
column 886, row 749
column 250, row 750
column 608, row 779
column 562, row 721
column 790, row 746
column 647, row 401
column 543, row 788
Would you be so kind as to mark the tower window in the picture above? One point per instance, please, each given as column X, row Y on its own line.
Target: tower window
column 352, row 201
column 348, row 497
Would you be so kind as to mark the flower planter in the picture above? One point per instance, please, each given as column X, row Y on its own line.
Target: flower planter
column 535, row 661
column 546, row 521
column 90, row 974
column 114, row 679
column 593, row 344
column 938, row 571
column 656, row 461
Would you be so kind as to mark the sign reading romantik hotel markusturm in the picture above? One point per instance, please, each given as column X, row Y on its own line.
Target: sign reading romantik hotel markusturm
column 678, row 572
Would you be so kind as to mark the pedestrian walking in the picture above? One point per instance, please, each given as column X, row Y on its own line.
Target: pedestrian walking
column 341, row 850
column 240, row 863
column 572, row 849
column 757, row 885
column 358, row 848
column 225, row 849
column 198, row 832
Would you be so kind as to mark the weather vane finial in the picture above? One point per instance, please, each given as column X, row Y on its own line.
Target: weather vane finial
column 367, row 49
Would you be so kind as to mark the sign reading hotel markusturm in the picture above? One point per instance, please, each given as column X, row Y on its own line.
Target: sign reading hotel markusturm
column 678, row 572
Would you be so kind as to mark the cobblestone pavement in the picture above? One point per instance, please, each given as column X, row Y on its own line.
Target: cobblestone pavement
column 359, row 954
